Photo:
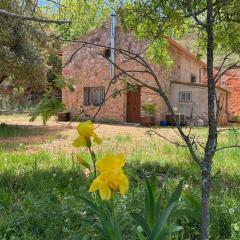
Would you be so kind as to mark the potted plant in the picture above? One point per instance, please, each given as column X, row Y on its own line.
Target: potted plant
column 64, row 116
column 148, row 118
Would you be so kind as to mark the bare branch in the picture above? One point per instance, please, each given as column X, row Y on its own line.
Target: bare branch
column 152, row 131
column 199, row 22
column 32, row 18
column 227, row 147
column 233, row 66
column 222, row 64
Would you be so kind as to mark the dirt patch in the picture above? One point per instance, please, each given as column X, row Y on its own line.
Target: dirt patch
column 58, row 137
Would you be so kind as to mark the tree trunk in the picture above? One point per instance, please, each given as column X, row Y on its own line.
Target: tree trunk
column 206, row 189
column 212, row 132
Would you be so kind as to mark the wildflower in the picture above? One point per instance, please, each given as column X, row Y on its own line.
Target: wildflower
column 86, row 132
column 111, row 178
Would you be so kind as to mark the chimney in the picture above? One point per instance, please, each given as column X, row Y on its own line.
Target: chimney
column 112, row 44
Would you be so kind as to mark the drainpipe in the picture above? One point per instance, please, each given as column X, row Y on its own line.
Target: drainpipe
column 112, row 44
column 222, row 77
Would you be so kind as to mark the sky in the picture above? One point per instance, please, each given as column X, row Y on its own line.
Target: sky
column 42, row 2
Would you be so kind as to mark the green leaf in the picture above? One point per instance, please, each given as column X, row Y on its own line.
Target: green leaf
column 194, row 202
column 176, row 194
column 168, row 231
column 162, row 221
column 107, row 227
column 140, row 235
column 158, row 208
column 141, row 222
column 82, row 161
column 149, row 204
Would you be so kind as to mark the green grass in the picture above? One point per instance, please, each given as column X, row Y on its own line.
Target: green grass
column 40, row 193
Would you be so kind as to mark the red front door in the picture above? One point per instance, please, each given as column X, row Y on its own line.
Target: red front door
column 133, row 105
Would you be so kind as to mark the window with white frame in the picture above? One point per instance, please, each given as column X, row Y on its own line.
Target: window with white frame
column 185, row 96
column 94, row 96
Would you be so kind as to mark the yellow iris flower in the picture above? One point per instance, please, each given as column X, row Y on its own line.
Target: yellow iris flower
column 86, row 132
column 111, row 178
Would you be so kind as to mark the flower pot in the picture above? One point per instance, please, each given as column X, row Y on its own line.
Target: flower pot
column 63, row 116
column 148, row 121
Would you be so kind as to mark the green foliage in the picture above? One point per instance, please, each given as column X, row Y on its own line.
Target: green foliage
column 22, row 48
column 158, row 53
column 157, row 20
column 84, row 15
column 149, row 109
column 49, row 106
column 109, row 224
column 155, row 223
column 61, row 83
column 153, row 21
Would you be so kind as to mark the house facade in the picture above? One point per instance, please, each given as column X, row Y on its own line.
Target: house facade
column 86, row 65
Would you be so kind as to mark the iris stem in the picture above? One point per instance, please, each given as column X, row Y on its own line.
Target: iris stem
column 94, row 159
column 113, row 216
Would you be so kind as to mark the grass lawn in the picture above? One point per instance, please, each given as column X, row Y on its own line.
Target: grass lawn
column 41, row 181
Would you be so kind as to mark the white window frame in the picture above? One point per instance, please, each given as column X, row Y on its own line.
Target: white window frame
column 185, row 96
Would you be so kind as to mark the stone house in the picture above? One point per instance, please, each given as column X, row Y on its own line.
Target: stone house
column 89, row 72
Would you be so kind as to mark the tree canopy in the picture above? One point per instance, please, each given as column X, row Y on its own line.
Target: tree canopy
column 24, row 46
column 158, row 19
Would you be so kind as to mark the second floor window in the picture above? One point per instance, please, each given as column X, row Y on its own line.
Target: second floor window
column 185, row 96
column 193, row 78
column 93, row 96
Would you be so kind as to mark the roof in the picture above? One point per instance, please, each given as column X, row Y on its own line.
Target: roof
column 118, row 28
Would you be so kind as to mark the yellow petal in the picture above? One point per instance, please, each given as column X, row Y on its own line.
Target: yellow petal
column 120, row 160
column 80, row 141
column 123, row 187
column 110, row 162
column 95, row 185
column 105, row 191
column 85, row 129
column 97, row 139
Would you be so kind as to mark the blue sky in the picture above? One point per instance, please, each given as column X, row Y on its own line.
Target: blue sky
column 42, row 2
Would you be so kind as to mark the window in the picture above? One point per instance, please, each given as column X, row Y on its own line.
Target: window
column 107, row 53
column 193, row 78
column 185, row 96
column 94, row 96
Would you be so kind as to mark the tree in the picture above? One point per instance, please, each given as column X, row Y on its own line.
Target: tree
column 24, row 44
column 218, row 22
